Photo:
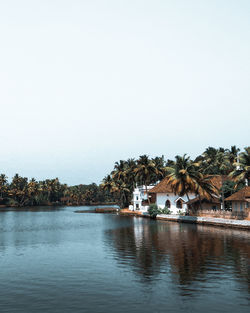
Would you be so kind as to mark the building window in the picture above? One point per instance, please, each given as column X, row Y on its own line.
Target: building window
column 235, row 206
column 179, row 204
column 168, row 204
column 241, row 206
column 137, row 198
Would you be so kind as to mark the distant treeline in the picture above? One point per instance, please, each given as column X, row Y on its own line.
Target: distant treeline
column 23, row 192
column 185, row 175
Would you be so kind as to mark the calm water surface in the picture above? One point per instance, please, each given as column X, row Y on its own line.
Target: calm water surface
column 60, row 261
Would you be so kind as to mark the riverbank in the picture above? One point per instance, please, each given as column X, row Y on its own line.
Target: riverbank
column 213, row 221
column 243, row 224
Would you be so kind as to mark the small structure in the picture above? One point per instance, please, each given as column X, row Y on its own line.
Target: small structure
column 140, row 199
column 202, row 206
column 241, row 203
column 137, row 199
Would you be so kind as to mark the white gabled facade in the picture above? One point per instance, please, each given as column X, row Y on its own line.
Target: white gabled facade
column 174, row 203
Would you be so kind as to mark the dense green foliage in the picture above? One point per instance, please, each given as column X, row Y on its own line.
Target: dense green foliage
column 185, row 175
column 153, row 210
column 22, row 192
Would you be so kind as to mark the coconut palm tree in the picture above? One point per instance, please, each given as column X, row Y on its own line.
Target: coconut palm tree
column 3, row 185
column 120, row 171
column 241, row 171
column 205, row 188
column 160, row 167
column 214, row 161
column 145, row 172
column 107, row 183
column 184, row 176
column 232, row 155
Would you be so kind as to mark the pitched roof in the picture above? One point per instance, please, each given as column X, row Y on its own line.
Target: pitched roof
column 241, row 195
column 196, row 199
column 217, row 181
column 164, row 187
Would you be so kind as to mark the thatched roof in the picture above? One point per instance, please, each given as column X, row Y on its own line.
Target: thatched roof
column 241, row 195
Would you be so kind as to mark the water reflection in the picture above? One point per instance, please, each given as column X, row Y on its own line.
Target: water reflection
column 189, row 253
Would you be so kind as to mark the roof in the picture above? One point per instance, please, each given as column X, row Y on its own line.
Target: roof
column 241, row 195
column 196, row 199
column 164, row 187
column 217, row 181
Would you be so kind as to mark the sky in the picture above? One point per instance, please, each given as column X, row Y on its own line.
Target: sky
column 85, row 83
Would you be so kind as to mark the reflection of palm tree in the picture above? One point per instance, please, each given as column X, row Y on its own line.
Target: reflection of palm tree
column 151, row 247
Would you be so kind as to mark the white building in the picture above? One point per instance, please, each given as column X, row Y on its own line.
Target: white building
column 140, row 196
column 165, row 197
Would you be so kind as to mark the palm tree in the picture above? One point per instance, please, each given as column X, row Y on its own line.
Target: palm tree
column 184, row 176
column 130, row 174
column 205, row 188
column 3, row 184
column 160, row 167
column 232, row 155
column 145, row 171
column 119, row 172
column 214, row 161
column 241, row 171
column 107, row 183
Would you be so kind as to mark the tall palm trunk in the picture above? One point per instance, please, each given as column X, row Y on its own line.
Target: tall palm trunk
column 189, row 204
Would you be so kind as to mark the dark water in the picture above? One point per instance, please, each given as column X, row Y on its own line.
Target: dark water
column 60, row 261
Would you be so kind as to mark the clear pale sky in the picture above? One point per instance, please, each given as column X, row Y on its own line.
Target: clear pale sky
column 86, row 83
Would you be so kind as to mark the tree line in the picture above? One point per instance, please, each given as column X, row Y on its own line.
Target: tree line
column 23, row 192
column 184, row 174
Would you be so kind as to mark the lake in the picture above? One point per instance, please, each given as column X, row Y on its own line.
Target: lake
column 54, row 260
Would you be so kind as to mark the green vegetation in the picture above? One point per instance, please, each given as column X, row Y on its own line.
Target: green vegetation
column 185, row 175
column 21, row 192
column 153, row 210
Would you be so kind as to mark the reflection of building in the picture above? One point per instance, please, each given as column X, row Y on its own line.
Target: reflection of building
column 241, row 202
column 184, row 251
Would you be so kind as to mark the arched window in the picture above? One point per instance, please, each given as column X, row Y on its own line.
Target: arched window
column 168, row 204
column 179, row 204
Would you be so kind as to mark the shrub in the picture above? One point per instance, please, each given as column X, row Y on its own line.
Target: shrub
column 165, row 211
column 153, row 210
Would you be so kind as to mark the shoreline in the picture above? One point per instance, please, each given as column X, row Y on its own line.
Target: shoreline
column 210, row 221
